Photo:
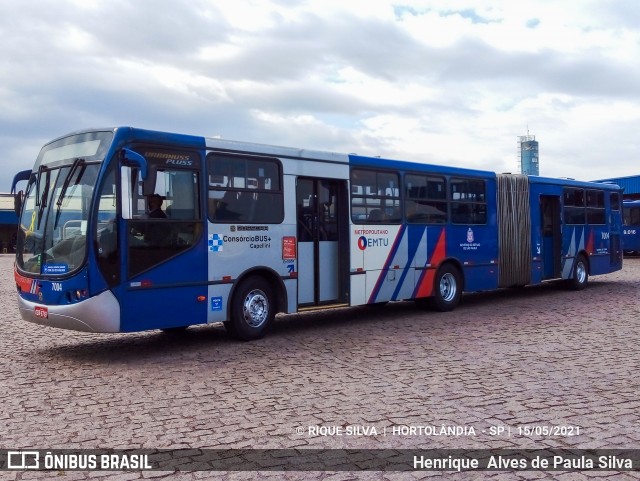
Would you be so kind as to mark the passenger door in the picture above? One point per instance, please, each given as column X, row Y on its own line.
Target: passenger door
column 551, row 236
column 322, row 217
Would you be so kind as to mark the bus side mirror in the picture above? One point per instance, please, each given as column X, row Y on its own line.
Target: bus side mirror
column 129, row 157
column 24, row 175
column 18, row 199
column 147, row 173
column 149, row 183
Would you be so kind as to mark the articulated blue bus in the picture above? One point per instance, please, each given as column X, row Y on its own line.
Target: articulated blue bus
column 631, row 230
column 125, row 230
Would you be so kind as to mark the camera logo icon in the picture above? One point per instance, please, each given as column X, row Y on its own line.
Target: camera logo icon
column 23, row 460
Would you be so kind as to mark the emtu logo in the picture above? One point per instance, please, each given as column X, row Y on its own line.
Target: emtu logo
column 363, row 242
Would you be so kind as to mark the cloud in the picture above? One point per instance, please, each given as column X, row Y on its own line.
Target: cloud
column 437, row 84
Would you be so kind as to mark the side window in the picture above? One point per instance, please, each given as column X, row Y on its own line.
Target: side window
column 633, row 215
column 468, row 201
column 168, row 221
column 615, row 201
column 244, row 190
column 595, row 207
column 574, row 200
column 425, row 199
column 375, row 197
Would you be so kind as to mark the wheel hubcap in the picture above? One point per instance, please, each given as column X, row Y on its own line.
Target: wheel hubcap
column 255, row 308
column 581, row 272
column 448, row 287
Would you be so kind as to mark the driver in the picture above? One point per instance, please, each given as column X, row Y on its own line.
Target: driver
column 155, row 207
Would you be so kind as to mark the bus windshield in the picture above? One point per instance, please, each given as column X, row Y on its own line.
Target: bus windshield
column 52, row 235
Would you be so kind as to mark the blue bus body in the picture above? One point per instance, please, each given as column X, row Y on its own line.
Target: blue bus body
column 631, row 230
column 251, row 230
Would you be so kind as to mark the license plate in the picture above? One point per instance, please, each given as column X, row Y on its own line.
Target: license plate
column 41, row 312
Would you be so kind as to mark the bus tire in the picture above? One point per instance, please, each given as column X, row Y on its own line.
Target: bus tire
column 172, row 331
column 447, row 288
column 252, row 310
column 580, row 276
column 423, row 303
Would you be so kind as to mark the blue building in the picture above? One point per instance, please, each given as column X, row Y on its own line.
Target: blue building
column 630, row 184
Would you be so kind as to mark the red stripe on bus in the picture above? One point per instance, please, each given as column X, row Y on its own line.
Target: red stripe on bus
column 425, row 289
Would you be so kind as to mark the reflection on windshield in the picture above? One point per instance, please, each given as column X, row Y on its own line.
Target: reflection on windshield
column 53, row 226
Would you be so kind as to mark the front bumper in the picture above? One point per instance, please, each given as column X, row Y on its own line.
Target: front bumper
column 96, row 314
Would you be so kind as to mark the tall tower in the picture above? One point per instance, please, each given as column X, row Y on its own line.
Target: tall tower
column 528, row 155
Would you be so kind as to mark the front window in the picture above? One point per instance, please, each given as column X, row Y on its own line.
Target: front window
column 53, row 227
column 52, row 235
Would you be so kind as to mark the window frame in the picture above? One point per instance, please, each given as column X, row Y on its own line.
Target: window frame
column 423, row 218
column 614, row 201
column 477, row 209
column 215, row 203
column 571, row 210
column 182, row 233
column 381, row 206
column 595, row 207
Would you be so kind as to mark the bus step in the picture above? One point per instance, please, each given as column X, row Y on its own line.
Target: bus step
column 321, row 307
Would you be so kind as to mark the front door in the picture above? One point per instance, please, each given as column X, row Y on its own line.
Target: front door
column 321, row 222
column 551, row 236
column 162, row 236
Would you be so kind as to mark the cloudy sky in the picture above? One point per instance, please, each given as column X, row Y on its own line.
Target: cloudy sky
column 435, row 81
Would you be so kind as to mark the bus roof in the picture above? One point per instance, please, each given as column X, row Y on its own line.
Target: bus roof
column 534, row 179
column 231, row 145
column 200, row 142
column 364, row 161
column 275, row 150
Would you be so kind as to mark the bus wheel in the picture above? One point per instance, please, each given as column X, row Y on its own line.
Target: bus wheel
column 447, row 289
column 580, row 274
column 252, row 310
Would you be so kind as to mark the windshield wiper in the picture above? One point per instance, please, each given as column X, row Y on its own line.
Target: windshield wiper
column 76, row 163
column 41, row 170
column 41, row 200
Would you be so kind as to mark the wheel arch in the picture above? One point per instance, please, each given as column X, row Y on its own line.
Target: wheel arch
column 269, row 275
column 584, row 254
column 578, row 280
column 458, row 265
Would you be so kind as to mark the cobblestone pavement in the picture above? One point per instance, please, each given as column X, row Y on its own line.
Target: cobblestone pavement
column 538, row 356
